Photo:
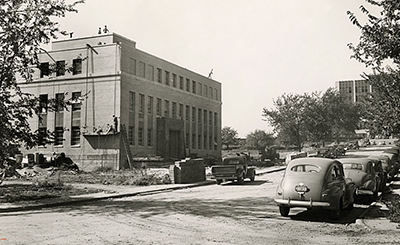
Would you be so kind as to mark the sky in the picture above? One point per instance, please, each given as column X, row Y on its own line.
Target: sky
column 258, row 49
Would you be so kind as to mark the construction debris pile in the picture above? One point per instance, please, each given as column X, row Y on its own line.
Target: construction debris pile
column 36, row 164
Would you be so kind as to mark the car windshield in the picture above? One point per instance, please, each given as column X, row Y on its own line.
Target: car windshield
column 232, row 161
column 306, row 168
column 355, row 166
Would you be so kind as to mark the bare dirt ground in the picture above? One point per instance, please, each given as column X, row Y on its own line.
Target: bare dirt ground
column 215, row 214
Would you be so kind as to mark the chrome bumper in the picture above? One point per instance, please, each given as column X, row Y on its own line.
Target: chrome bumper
column 364, row 192
column 297, row 203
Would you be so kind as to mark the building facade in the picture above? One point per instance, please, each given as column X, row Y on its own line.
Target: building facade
column 354, row 90
column 123, row 103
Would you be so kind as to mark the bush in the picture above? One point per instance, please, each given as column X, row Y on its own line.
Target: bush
column 394, row 209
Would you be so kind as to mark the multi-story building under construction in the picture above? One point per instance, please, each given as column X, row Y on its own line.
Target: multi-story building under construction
column 115, row 90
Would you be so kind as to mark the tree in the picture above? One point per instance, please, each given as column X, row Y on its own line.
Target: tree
column 229, row 136
column 315, row 117
column 341, row 115
column 288, row 119
column 25, row 25
column 379, row 43
column 259, row 140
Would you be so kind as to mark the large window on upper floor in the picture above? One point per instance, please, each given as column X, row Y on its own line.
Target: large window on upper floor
column 60, row 68
column 76, row 66
column 44, row 69
column 194, row 87
column 167, row 78
column 159, row 75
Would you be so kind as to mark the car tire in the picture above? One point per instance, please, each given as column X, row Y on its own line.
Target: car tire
column 335, row 213
column 240, row 179
column 219, row 181
column 284, row 211
column 253, row 176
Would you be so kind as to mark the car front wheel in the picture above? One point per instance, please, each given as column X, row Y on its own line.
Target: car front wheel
column 284, row 211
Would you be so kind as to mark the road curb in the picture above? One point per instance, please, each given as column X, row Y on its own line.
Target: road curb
column 271, row 171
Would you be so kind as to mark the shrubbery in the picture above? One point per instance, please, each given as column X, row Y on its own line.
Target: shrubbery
column 394, row 209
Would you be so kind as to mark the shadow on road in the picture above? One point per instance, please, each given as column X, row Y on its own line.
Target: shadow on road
column 320, row 215
column 247, row 183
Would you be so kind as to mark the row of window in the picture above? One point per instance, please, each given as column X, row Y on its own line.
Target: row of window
column 59, row 68
column 58, row 137
column 171, row 79
column 202, row 122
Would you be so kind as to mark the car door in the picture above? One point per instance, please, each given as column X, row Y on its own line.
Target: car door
column 336, row 183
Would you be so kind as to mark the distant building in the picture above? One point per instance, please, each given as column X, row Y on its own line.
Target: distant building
column 165, row 110
column 354, row 90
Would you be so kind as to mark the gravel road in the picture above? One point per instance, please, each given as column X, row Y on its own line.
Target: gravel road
column 215, row 214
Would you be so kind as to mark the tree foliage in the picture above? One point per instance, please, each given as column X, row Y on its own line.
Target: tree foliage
column 379, row 38
column 314, row 117
column 229, row 136
column 25, row 25
column 259, row 140
column 379, row 44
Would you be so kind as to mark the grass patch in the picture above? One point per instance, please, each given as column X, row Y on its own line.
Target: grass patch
column 115, row 177
column 394, row 209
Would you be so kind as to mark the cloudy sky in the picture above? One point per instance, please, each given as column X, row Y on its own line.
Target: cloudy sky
column 258, row 49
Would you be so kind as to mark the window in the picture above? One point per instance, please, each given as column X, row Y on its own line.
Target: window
column 42, row 128
column 158, row 107
column 59, row 120
column 194, row 115
column 174, row 80
column 193, row 141
column 194, row 87
column 149, row 137
column 140, row 135
column 306, row 168
column 44, row 69
column 60, row 68
column 167, row 78
column 188, row 84
column 77, row 66
column 181, row 82
column 131, row 135
column 75, row 120
column 43, row 103
column 211, row 93
column 205, row 91
column 131, row 101
column 174, row 110
column 200, row 89
column 180, row 113
column 166, row 110
column 141, row 105
column 187, row 114
column 150, row 105
column 215, row 94
column 159, row 75
column 142, row 69
column 199, row 114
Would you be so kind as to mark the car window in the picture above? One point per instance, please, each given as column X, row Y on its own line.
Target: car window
column 306, row 168
column 352, row 166
column 336, row 173
column 232, row 161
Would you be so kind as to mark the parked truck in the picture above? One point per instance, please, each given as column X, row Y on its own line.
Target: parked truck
column 233, row 168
